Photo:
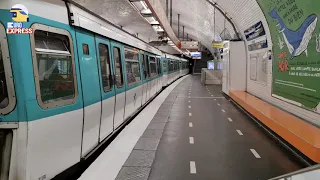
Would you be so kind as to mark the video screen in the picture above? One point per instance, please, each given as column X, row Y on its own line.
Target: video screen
column 196, row 55
column 210, row 66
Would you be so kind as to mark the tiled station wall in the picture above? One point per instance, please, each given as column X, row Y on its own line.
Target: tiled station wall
column 246, row 13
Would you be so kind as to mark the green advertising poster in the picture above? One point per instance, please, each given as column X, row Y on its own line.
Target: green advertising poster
column 295, row 33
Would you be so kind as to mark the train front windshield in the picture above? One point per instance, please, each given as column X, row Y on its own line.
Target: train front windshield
column 4, row 101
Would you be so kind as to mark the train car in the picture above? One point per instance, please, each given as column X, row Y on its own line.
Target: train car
column 184, row 70
column 68, row 86
column 171, row 65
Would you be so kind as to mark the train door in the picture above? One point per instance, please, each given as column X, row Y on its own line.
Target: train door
column 118, row 60
column 107, row 89
column 90, row 89
column 164, row 72
column 142, row 72
column 144, row 77
column 180, row 68
column 148, row 77
column 159, row 75
column 153, row 71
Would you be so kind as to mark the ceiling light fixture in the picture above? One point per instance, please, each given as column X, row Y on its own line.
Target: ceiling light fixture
column 144, row 4
column 146, row 12
column 154, row 23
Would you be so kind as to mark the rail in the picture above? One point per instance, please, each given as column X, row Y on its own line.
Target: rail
column 309, row 173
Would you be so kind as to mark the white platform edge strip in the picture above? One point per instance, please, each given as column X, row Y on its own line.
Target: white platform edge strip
column 111, row 160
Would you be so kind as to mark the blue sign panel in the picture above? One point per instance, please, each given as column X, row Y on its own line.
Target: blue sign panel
column 196, row 55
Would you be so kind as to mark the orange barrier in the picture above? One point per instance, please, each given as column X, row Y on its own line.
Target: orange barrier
column 300, row 134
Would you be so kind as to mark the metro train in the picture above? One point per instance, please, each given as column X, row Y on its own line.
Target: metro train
column 69, row 86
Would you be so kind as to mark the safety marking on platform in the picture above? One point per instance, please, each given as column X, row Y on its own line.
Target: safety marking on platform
column 189, row 107
column 190, row 124
column 189, row 101
column 223, row 110
column 230, row 119
column 190, row 114
column 254, row 152
column 191, row 140
column 215, row 99
column 239, row 132
column 218, row 104
column 193, row 169
column 211, row 95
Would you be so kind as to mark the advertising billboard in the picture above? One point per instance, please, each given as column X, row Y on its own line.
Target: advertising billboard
column 255, row 31
column 295, row 34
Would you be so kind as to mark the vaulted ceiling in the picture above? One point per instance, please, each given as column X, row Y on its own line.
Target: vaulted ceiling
column 204, row 20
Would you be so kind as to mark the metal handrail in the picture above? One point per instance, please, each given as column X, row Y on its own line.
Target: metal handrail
column 301, row 171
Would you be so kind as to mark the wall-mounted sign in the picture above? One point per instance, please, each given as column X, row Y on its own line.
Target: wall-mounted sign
column 255, row 31
column 217, row 44
column 258, row 44
column 196, row 55
column 258, row 67
column 295, row 33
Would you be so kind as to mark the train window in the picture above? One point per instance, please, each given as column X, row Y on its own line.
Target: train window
column 148, row 66
column 132, row 66
column 105, row 66
column 144, row 71
column 171, row 66
column 85, row 49
column 7, row 95
column 164, row 66
column 117, row 60
column 158, row 66
column 4, row 101
column 153, row 67
column 54, row 66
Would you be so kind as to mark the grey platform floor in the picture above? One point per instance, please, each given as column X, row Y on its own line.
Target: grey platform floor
column 196, row 123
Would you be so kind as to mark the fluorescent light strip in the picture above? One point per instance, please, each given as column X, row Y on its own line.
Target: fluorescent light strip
column 144, row 4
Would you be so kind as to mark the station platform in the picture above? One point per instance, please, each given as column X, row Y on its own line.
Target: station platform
column 191, row 132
